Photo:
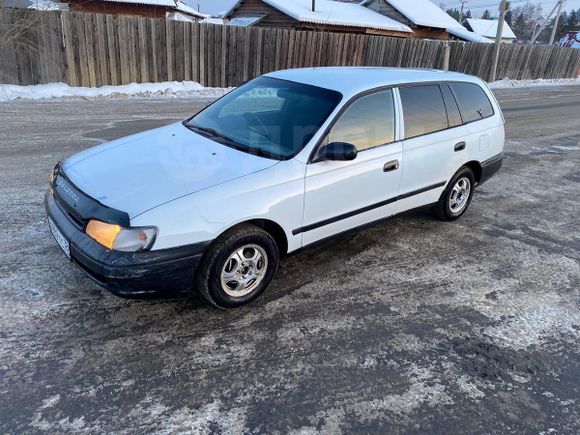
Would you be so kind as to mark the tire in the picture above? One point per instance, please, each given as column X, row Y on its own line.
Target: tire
column 449, row 207
column 224, row 279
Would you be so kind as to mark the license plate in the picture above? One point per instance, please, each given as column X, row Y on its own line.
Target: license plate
column 60, row 239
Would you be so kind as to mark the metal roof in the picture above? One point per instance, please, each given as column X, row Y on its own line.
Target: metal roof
column 337, row 13
column 166, row 3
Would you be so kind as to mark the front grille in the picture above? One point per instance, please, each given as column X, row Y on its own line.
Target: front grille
column 74, row 218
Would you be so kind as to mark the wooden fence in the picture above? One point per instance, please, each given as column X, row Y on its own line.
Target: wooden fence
column 95, row 50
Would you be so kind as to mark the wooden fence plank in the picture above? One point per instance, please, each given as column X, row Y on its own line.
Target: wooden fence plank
column 122, row 36
column 143, row 50
column 112, row 50
column 102, row 43
column 169, row 37
column 87, row 20
column 195, row 52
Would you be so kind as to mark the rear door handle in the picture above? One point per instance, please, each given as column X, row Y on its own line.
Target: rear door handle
column 393, row 165
column 460, row 146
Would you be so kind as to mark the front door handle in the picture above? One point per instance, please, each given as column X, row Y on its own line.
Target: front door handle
column 460, row 146
column 393, row 165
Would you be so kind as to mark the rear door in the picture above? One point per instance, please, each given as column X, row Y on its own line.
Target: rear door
column 342, row 195
column 432, row 151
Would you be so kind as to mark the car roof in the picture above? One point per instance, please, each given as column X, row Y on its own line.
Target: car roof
column 353, row 80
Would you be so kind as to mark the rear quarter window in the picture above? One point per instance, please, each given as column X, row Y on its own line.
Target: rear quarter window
column 472, row 101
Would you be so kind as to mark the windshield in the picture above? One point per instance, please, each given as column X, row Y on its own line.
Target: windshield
column 269, row 117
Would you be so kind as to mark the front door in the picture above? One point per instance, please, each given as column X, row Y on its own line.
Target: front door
column 341, row 195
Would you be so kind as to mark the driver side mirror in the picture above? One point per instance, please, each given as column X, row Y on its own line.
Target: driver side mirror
column 342, row 151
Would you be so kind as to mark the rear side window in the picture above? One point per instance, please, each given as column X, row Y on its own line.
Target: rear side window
column 366, row 123
column 453, row 115
column 472, row 101
column 423, row 110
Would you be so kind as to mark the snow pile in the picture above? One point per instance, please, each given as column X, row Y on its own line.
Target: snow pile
column 141, row 90
column 337, row 13
column 424, row 13
column 508, row 83
column 466, row 35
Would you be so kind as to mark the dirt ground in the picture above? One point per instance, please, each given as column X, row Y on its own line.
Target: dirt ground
column 414, row 325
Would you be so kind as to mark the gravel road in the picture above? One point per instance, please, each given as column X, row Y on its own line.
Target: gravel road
column 414, row 325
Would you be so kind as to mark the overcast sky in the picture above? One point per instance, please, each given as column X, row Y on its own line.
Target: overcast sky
column 214, row 7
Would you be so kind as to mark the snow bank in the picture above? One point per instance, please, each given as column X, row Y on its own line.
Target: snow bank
column 139, row 90
column 184, row 89
column 507, row 83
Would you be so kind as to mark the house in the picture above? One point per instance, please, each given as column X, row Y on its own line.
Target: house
column 40, row 5
column 488, row 29
column 427, row 20
column 327, row 16
column 171, row 9
column 570, row 39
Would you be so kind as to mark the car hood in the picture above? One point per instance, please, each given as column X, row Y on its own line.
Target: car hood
column 137, row 173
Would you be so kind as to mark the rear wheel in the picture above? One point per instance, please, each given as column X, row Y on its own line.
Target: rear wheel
column 456, row 198
column 237, row 267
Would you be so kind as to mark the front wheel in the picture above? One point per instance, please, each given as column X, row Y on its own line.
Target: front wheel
column 237, row 267
column 456, row 198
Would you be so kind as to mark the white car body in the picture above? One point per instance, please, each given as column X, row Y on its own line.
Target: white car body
column 192, row 195
column 189, row 189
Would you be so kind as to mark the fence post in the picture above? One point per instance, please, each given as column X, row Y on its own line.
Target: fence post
column 498, row 38
column 446, row 56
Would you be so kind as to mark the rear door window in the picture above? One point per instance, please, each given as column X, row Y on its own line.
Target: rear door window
column 472, row 101
column 423, row 110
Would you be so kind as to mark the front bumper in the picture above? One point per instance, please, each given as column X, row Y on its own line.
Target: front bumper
column 127, row 273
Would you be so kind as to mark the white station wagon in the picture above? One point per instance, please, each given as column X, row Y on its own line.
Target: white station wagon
column 283, row 161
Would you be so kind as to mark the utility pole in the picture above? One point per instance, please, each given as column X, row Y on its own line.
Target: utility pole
column 556, row 20
column 498, row 36
column 461, row 12
column 535, row 35
column 313, row 5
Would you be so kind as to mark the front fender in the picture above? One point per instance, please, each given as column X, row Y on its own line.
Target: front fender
column 275, row 194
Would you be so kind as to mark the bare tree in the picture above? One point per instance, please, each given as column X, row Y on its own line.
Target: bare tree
column 17, row 21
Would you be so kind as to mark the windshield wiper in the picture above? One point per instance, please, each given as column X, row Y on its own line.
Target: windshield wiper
column 220, row 138
column 206, row 131
column 216, row 135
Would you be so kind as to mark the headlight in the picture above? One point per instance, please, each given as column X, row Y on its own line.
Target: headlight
column 52, row 175
column 119, row 238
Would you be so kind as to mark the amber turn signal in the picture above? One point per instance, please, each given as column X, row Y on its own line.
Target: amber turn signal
column 103, row 232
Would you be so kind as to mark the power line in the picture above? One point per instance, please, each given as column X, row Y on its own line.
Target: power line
column 461, row 12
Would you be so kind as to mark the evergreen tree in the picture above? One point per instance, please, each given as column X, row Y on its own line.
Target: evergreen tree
column 520, row 26
column 508, row 18
column 486, row 15
column 572, row 23
column 454, row 13
column 468, row 14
